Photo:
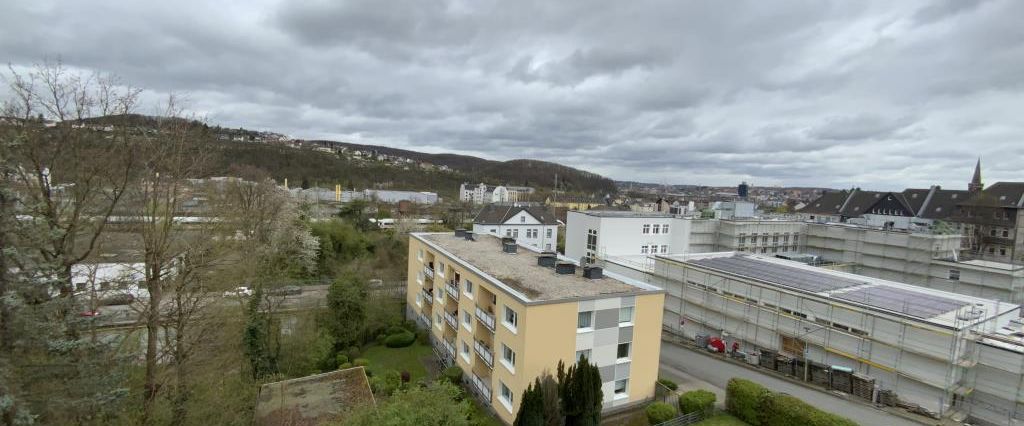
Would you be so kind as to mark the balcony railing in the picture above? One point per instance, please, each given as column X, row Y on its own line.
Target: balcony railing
column 484, row 353
column 482, row 385
column 448, row 347
column 428, row 296
column 428, row 272
column 453, row 290
column 424, row 320
column 452, row 320
column 485, row 318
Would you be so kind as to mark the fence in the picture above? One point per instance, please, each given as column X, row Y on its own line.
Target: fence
column 685, row 419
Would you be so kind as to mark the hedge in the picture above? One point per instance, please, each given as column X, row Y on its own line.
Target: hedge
column 660, row 412
column 757, row 406
column 743, row 399
column 361, row 362
column 453, row 374
column 784, row 410
column 400, row 340
column 668, row 384
column 697, row 400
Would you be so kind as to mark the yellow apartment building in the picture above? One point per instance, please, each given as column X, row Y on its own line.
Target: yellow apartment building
column 506, row 313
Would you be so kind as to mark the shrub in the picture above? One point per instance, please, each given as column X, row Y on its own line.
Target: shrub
column 453, row 374
column 423, row 337
column 352, row 352
column 782, row 410
column 341, row 359
column 668, row 384
column 380, row 338
column 743, row 399
column 697, row 400
column 395, row 329
column 361, row 362
column 400, row 340
column 659, row 412
column 345, row 365
column 386, row 383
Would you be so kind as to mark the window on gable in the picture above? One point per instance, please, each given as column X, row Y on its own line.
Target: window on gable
column 647, row 229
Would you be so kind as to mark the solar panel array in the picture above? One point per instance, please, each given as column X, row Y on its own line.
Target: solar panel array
column 782, row 275
column 913, row 303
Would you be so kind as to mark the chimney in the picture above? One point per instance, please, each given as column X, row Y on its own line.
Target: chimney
column 547, row 259
column 459, row 232
column 592, row 272
column 469, row 236
column 509, row 247
column 565, row 268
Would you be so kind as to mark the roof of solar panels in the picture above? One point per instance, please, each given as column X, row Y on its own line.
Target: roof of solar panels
column 922, row 303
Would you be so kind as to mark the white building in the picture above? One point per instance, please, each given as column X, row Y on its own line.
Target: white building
column 109, row 279
column 956, row 356
column 920, row 258
column 532, row 226
column 486, row 194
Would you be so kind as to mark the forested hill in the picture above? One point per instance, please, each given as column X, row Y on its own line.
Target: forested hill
column 535, row 173
column 325, row 169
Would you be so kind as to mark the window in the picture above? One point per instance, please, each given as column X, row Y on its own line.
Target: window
column 505, row 395
column 1006, row 233
column 647, row 229
column 743, row 240
column 511, row 319
column 515, row 233
column 468, row 286
column 547, row 246
column 664, row 228
column 591, row 239
column 954, row 274
column 620, row 387
column 625, row 314
column 623, row 351
column 494, row 231
column 440, row 269
column 437, row 319
column 992, row 233
column 582, row 354
column 585, row 320
column 508, row 357
column 508, row 232
column 547, row 233
column 1002, row 252
column 522, row 219
column 664, row 248
column 467, row 319
column 464, row 350
column 656, row 229
column 419, row 255
column 419, row 299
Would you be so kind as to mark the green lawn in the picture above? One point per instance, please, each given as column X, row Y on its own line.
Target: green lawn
column 721, row 419
column 409, row 358
column 481, row 416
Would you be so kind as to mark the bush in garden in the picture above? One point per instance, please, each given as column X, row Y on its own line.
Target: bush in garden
column 659, row 412
column 453, row 374
column 668, row 384
column 743, row 398
column 400, row 340
column 696, row 401
column 361, row 362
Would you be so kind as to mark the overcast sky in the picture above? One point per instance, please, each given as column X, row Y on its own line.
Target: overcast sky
column 881, row 95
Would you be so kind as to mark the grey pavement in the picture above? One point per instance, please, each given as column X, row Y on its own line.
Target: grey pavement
column 695, row 368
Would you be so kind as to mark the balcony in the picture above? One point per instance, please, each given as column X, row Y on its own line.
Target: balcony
column 428, row 272
column 448, row 347
column 484, row 353
column 453, row 290
column 424, row 320
column 482, row 385
column 485, row 318
column 428, row 296
column 452, row 320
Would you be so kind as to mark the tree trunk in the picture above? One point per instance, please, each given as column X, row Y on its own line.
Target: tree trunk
column 151, row 387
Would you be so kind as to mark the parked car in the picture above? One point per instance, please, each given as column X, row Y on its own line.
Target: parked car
column 288, row 290
column 239, row 292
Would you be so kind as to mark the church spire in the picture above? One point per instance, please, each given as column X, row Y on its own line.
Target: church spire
column 975, row 185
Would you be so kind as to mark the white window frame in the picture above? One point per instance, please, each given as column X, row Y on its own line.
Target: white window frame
column 505, row 401
column 643, row 249
column 547, row 232
column 437, row 320
column 664, row 248
column 514, row 328
column 632, row 314
column 467, row 289
column 419, row 255
column 509, row 365
column 664, row 228
column 464, row 351
column 656, row 228
column 629, row 355
column 580, row 353
column 647, row 229
column 590, row 321
column 467, row 321
column 625, row 389
column 440, row 269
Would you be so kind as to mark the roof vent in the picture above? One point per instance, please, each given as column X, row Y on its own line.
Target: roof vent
column 547, row 260
column 565, row 268
column 509, row 247
column 469, row 236
column 592, row 272
column 459, row 232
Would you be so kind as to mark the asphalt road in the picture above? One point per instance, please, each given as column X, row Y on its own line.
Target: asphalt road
column 718, row 372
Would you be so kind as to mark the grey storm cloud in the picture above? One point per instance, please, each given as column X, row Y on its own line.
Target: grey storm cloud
column 835, row 93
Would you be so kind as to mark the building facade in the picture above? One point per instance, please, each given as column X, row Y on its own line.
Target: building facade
column 486, row 194
column 528, row 225
column 504, row 319
column 953, row 355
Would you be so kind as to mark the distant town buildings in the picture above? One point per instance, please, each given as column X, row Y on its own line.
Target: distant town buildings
column 486, row 194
